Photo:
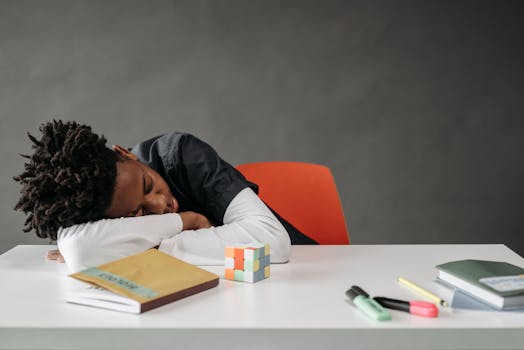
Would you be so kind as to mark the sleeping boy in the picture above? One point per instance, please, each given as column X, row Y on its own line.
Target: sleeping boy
column 172, row 191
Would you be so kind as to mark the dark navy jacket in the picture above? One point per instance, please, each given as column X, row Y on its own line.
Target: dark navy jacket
column 199, row 179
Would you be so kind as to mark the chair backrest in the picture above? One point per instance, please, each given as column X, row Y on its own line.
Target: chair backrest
column 304, row 194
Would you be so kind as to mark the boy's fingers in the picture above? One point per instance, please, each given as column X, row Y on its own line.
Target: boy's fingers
column 55, row 255
column 52, row 254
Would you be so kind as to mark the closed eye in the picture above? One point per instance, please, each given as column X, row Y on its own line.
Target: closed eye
column 138, row 212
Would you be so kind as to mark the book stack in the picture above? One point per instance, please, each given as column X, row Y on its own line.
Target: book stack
column 140, row 282
column 498, row 285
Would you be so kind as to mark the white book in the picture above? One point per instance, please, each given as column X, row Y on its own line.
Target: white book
column 102, row 298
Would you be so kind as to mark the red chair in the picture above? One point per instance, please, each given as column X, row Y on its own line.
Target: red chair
column 304, row 194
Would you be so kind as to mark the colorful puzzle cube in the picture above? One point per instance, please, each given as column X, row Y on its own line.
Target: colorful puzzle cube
column 247, row 263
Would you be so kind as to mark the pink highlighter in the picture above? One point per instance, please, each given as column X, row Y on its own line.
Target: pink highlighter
column 416, row 307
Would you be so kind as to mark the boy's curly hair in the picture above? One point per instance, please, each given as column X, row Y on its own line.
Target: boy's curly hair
column 69, row 179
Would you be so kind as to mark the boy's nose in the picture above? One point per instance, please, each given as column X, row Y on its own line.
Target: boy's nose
column 169, row 207
column 156, row 204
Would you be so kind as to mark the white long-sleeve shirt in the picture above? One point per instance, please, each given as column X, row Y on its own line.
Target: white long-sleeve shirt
column 247, row 220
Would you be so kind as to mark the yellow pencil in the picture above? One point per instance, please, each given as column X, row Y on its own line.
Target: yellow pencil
column 421, row 291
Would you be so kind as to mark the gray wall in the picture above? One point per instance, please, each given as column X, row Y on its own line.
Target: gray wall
column 415, row 106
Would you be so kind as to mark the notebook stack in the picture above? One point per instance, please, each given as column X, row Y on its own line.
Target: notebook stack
column 498, row 285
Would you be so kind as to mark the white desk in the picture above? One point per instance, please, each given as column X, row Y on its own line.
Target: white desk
column 301, row 306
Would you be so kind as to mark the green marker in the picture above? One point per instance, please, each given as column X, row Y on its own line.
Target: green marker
column 367, row 305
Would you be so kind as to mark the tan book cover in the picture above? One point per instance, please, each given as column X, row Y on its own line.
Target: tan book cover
column 141, row 282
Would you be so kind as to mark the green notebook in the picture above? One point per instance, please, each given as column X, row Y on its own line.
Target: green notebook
column 499, row 284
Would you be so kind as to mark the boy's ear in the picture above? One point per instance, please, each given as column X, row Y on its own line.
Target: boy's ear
column 124, row 153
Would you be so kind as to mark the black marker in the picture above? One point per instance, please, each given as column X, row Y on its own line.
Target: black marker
column 416, row 307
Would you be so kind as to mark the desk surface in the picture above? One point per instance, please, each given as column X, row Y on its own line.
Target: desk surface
column 302, row 305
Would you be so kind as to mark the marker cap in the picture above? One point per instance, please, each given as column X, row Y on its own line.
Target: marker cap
column 352, row 294
column 423, row 308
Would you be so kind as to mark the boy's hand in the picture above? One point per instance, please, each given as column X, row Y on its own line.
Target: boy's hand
column 194, row 221
column 202, row 221
column 55, row 255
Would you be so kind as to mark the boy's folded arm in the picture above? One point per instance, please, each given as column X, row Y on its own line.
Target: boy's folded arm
column 98, row 242
column 247, row 221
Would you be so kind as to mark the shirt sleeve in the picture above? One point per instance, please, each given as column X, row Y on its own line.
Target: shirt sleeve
column 98, row 242
column 247, row 220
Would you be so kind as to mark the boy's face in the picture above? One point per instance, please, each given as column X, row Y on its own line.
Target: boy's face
column 139, row 190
